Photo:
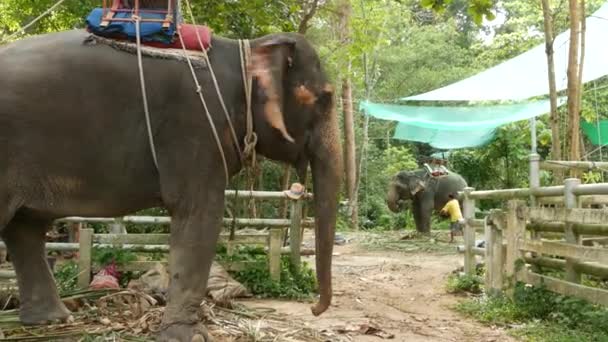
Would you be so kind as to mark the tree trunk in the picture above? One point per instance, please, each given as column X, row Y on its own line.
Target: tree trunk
column 556, row 151
column 349, row 149
column 574, row 83
column 581, row 63
column 349, row 123
column 308, row 13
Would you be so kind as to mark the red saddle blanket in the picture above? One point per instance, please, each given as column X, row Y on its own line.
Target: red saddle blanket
column 189, row 35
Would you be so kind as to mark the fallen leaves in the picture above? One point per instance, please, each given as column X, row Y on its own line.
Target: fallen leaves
column 365, row 329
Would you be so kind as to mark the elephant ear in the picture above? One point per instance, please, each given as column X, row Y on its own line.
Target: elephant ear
column 416, row 185
column 270, row 61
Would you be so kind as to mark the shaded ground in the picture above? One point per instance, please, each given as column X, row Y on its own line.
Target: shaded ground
column 401, row 293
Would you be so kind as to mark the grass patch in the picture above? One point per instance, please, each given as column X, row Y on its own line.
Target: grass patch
column 464, row 283
column 540, row 315
column 295, row 283
column 410, row 242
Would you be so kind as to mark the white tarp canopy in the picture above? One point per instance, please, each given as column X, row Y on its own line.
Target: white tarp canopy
column 526, row 75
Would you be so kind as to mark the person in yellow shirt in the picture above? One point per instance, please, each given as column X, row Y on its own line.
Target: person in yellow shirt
column 452, row 209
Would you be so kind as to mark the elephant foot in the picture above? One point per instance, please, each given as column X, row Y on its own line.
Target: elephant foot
column 184, row 333
column 44, row 314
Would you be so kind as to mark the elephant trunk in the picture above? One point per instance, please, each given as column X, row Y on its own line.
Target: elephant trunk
column 327, row 169
column 392, row 199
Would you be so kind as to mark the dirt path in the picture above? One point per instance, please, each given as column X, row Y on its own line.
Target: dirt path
column 403, row 294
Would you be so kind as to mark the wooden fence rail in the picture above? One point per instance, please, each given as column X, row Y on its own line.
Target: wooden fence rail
column 153, row 243
column 511, row 254
column 516, row 244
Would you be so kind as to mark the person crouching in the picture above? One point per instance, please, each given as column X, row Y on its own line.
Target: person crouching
column 452, row 208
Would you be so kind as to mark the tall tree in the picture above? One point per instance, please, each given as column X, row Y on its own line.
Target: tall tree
column 574, row 81
column 556, row 151
column 345, row 12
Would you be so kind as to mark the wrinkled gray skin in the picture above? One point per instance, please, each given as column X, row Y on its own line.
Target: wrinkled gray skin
column 73, row 141
column 425, row 193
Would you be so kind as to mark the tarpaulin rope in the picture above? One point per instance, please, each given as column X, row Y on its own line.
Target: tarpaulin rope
column 23, row 28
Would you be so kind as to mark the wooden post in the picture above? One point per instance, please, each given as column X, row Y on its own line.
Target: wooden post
column 515, row 233
column 534, row 184
column 295, row 238
column 494, row 251
column 469, row 232
column 73, row 229
column 571, row 202
column 84, row 259
column 118, row 227
column 274, row 253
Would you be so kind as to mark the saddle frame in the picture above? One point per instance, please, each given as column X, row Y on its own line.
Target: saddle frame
column 118, row 6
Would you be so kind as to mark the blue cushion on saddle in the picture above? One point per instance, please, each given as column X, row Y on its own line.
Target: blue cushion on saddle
column 150, row 31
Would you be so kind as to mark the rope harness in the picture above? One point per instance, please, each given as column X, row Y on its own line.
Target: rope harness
column 247, row 155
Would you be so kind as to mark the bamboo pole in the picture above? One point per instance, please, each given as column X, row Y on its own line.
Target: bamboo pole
column 469, row 232
column 84, row 259
column 591, row 268
column 295, row 234
column 570, row 202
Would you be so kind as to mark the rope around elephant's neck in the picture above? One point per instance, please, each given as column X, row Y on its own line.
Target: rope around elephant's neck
column 199, row 91
column 251, row 137
column 144, row 93
column 235, row 141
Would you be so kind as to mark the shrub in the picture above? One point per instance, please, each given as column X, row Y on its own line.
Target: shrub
column 66, row 277
column 464, row 283
column 294, row 284
column 546, row 316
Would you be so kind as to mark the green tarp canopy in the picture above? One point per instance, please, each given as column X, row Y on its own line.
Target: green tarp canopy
column 516, row 80
column 451, row 127
column 597, row 137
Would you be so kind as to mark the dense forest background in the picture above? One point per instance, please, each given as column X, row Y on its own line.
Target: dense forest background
column 383, row 50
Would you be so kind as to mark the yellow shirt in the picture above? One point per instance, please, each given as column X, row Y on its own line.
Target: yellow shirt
column 453, row 208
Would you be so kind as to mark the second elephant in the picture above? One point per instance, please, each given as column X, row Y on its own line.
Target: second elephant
column 426, row 192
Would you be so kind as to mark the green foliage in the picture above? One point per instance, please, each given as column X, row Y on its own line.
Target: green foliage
column 66, row 277
column 398, row 158
column 244, row 19
column 478, row 9
column 104, row 256
column 294, row 284
column 464, row 283
column 541, row 312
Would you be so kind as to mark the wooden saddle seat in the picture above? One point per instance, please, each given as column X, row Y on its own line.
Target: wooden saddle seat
column 168, row 8
column 159, row 24
column 436, row 170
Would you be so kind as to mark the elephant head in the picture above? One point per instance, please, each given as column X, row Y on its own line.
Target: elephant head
column 404, row 186
column 296, row 122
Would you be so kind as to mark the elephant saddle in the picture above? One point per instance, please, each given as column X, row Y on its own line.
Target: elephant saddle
column 436, row 171
column 157, row 27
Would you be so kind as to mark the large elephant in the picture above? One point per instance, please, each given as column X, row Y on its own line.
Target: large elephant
column 74, row 141
column 425, row 191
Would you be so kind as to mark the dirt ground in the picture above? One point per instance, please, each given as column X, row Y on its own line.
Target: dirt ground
column 386, row 286
column 401, row 293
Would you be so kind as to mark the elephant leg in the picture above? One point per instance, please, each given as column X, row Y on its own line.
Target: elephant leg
column 195, row 229
column 424, row 209
column 417, row 210
column 40, row 302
